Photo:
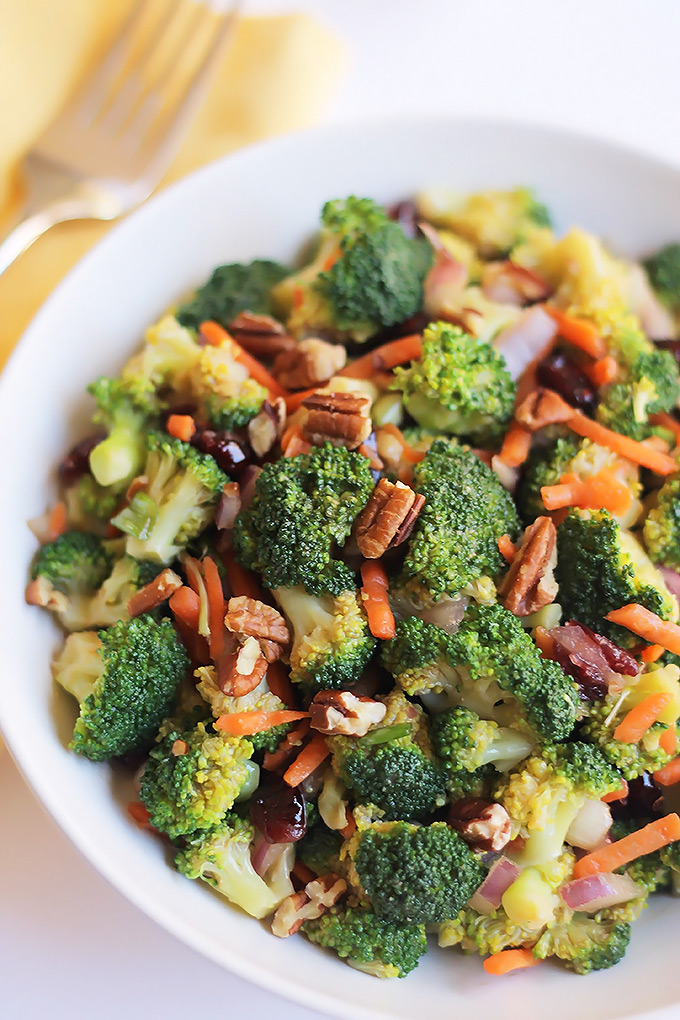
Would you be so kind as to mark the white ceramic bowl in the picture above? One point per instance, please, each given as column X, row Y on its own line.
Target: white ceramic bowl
column 264, row 202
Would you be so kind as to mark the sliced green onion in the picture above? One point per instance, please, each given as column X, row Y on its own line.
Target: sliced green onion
column 383, row 734
column 138, row 518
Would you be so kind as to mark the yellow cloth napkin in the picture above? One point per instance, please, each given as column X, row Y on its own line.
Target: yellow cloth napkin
column 277, row 77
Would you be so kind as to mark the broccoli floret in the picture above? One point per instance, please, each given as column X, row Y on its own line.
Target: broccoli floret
column 224, row 414
column 221, row 857
column 454, row 542
column 320, row 848
column 584, row 944
column 494, row 221
column 233, row 288
column 460, row 385
column 465, row 743
column 604, row 716
column 663, row 270
column 166, row 360
column 301, row 508
column 601, row 567
column 491, row 666
column 544, row 795
column 259, row 700
column 75, row 563
column 125, row 679
column 414, row 874
column 192, row 790
column 647, row 383
column 375, row 278
column 183, row 490
column 651, row 871
column 228, row 394
column 662, row 526
column 87, row 499
column 670, row 860
column 126, row 410
column 369, row 943
column 484, row 933
column 331, row 640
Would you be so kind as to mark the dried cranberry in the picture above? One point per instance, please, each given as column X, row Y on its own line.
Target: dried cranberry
column 76, row 463
column 230, row 453
column 559, row 373
column 279, row 812
column 619, row 660
column 643, row 799
column 406, row 215
column 670, row 345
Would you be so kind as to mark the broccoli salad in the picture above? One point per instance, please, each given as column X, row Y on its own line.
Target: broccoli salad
column 369, row 573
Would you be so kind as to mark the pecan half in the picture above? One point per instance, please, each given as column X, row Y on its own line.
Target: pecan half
column 483, row 824
column 239, row 672
column 342, row 419
column 387, row 519
column 312, row 362
column 530, row 582
column 251, row 618
column 317, row 897
column 42, row 592
column 261, row 335
column 334, row 712
column 155, row 592
column 267, row 426
column 543, row 407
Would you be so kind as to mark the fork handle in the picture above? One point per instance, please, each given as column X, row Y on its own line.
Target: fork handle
column 34, row 226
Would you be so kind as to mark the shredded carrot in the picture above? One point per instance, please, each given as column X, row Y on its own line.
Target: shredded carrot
column 619, row 794
column 374, row 590
column 507, row 548
column 298, row 296
column 667, row 422
column 216, row 607
column 296, row 446
column 294, row 401
column 516, row 446
column 387, row 356
column 647, row 625
column 658, row 833
column 181, row 426
column 241, row 581
column 279, row 683
column 669, row 775
column 578, row 332
column 331, row 259
column 602, row 491
column 139, row 814
column 658, row 462
column 651, row 653
column 217, row 335
column 408, row 453
column 368, row 451
column 509, row 959
column 603, row 371
column 185, row 605
column 303, row 873
column 243, row 724
column 274, row 760
column 545, row 643
column 307, row 761
column 635, row 723
column 668, row 741
column 56, row 524
column 350, row 826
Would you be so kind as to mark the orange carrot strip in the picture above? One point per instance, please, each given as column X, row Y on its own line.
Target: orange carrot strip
column 243, row 724
column 350, row 826
column 661, row 463
column 374, row 594
column 578, row 332
column 667, row 422
column 545, row 643
column 241, row 581
column 396, row 352
column 294, row 401
column 516, row 446
column 303, row 873
column 279, row 683
column 216, row 335
column 181, row 426
column 216, row 607
column 56, row 524
column 407, row 452
column 669, row 775
column 603, row 371
column 650, row 653
column 509, row 959
column 375, row 461
column 658, row 833
column 307, row 761
column 139, row 814
column 635, row 723
column 602, row 491
column 185, row 605
column 331, row 259
column 619, row 794
column 273, row 760
column 647, row 625
column 668, row 741
column 507, row 548
column 296, row 446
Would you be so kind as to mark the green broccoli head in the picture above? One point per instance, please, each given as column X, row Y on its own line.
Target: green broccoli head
column 192, row 778
column 454, row 541
column 584, row 944
column 647, row 386
column 179, row 502
column 125, row 679
column 464, row 742
column 460, row 385
column 494, row 221
column 331, row 640
column 484, row 933
column 126, row 409
column 88, row 500
column 369, row 943
column 414, row 874
column 320, row 846
column 75, row 563
column 490, row 666
column 601, row 567
column 221, row 857
column 224, row 414
column 662, row 526
column 663, row 270
column 651, row 871
column 261, row 699
column 302, row 507
column 231, row 289
column 670, row 861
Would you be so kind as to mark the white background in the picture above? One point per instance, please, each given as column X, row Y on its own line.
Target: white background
column 70, row 945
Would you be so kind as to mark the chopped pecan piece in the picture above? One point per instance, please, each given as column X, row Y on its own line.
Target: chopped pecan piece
column 334, row 712
column 317, row 897
column 530, row 582
column 543, row 407
column 387, row 519
column 179, row 747
column 228, row 507
column 261, row 335
column 339, row 418
column 251, row 618
column 138, row 484
column 312, row 362
column 483, row 824
column 42, row 592
column 154, row 593
column 239, row 672
column 267, row 426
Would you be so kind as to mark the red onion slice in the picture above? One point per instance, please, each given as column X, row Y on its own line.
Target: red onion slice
column 525, row 340
column 595, row 892
column 264, row 855
column 248, row 479
column 228, row 507
column 502, row 874
column 512, row 284
column 446, row 613
column 591, row 825
column 656, row 320
column 672, row 579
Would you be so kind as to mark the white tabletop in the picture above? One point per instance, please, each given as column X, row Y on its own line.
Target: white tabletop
column 70, row 945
